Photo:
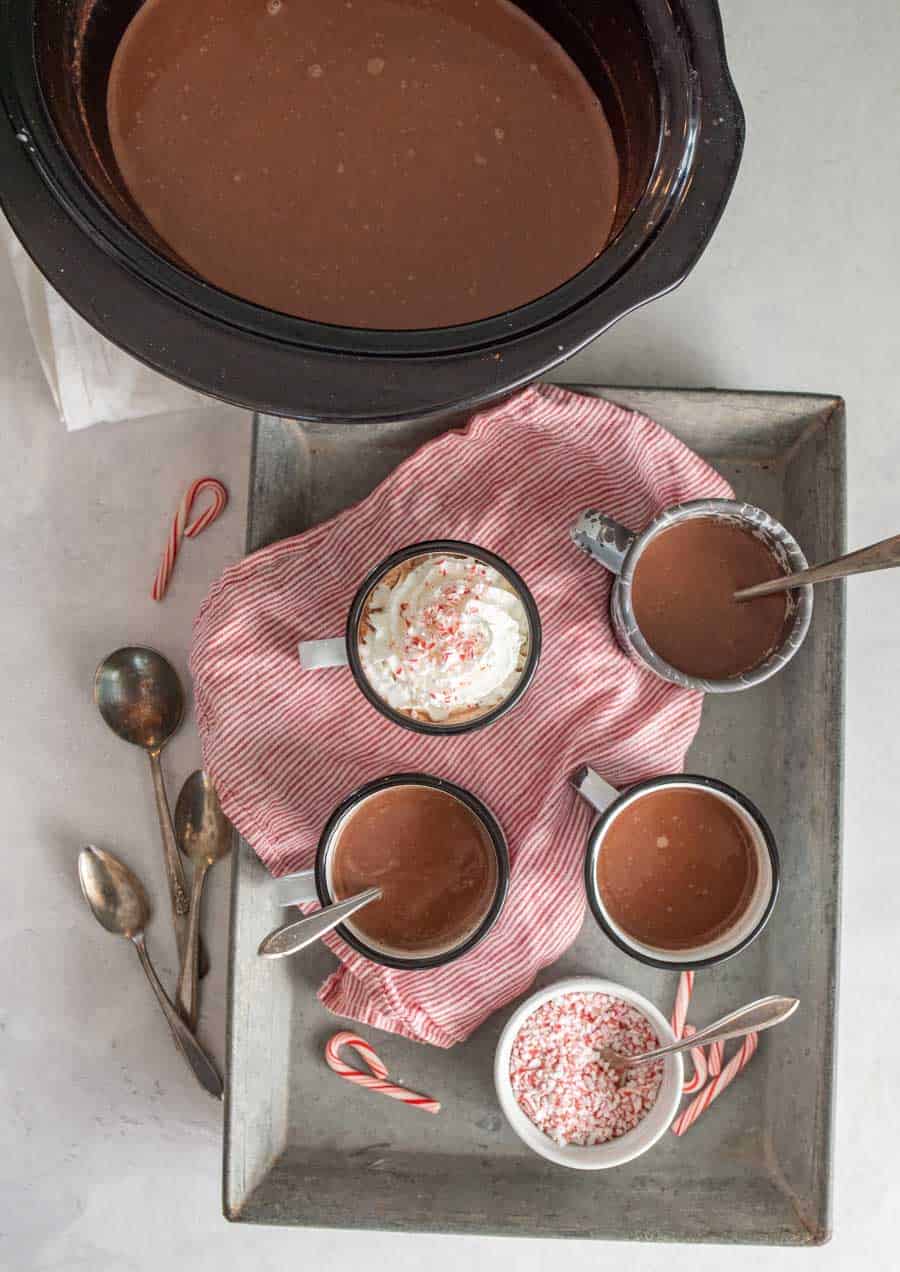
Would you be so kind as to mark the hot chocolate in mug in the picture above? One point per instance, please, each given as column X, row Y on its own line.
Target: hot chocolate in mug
column 672, row 605
column 442, row 637
column 681, row 871
column 444, row 879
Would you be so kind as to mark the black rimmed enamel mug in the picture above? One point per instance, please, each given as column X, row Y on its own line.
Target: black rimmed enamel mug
column 746, row 924
column 381, row 680
column 317, row 884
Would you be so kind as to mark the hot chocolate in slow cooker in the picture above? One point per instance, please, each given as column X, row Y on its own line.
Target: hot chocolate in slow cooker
column 658, row 70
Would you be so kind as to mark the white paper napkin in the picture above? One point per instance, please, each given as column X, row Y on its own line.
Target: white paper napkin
column 91, row 380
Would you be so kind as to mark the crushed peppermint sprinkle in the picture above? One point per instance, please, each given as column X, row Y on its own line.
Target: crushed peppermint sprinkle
column 443, row 636
column 561, row 1084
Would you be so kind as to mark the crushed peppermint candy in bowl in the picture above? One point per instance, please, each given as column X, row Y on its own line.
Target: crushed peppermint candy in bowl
column 562, row 1099
column 562, row 1084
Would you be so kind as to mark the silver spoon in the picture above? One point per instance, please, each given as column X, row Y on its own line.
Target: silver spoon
column 292, row 937
column 753, row 1018
column 139, row 696
column 878, row 556
column 119, row 903
column 204, row 835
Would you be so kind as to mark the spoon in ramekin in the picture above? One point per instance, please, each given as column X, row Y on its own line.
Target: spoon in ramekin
column 762, row 1014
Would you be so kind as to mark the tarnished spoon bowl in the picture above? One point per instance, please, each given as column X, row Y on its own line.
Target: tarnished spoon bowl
column 139, row 696
column 202, row 829
column 114, row 893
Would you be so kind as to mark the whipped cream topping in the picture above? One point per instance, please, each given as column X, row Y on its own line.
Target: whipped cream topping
column 443, row 637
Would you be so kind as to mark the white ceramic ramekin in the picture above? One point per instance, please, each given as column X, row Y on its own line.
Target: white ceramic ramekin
column 613, row 1152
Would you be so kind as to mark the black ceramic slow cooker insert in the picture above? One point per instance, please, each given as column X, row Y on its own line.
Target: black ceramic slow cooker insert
column 658, row 67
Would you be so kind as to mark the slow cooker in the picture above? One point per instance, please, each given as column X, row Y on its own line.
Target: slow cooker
column 659, row 69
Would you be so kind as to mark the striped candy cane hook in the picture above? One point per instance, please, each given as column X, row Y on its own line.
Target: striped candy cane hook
column 183, row 526
column 377, row 1077
column 711, row 1067
column 681, row 1029
column 717, row 1085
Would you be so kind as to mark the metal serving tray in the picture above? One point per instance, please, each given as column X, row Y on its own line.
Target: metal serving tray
column 301, row 1147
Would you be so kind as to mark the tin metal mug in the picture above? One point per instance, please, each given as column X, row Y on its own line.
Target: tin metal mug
column 619, row 549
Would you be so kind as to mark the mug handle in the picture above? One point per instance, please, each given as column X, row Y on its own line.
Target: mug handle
column 592, row 788
column 322, row 653
column 295, row 889
column 602, row 538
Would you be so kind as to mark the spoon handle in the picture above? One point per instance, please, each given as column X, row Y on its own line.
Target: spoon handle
column 292, row 937
column 203, row 1067
column 174, row 872
column 878, row 556
column 753, row 1018
column 178, row 892
column 190, row 963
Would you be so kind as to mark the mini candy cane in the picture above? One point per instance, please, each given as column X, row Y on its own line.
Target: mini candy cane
column 181, row 526
column 701, row 1103
column 376, row 1079
column 698, row 1060
column 681, row 1029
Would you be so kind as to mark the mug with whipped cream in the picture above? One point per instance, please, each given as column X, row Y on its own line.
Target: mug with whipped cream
column 442, row 637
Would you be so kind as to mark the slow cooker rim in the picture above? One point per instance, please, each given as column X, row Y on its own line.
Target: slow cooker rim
column 677, row 108
column 163, row 332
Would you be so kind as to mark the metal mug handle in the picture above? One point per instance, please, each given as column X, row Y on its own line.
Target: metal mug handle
column 322, row 653
column 592, row 788
column 603, row 539
column 295, row 889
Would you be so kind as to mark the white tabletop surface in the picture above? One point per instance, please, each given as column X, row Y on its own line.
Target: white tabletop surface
column 111, row 1155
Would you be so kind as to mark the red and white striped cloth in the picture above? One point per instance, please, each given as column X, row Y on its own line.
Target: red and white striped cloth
column 284, row 746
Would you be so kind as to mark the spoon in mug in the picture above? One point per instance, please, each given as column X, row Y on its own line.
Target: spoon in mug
column 119, row 903
column 878, row 556
column 753, row 1018
column 204, row 835
column 292, row 937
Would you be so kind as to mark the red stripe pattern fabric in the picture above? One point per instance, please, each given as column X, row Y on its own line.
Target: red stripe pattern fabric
column 284, row 746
